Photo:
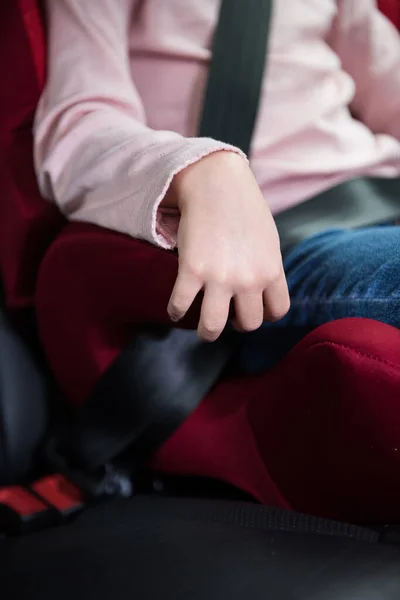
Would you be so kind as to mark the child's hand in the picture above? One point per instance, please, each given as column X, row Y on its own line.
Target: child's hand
column 228, row 247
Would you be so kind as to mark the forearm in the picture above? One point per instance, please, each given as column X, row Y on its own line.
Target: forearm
column 115, row 172
column 94, row 155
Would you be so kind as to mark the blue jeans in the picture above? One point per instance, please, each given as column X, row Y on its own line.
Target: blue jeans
column 335, row 274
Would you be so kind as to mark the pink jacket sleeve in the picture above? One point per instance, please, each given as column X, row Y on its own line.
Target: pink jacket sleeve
column 369, row 47
column 94, row 155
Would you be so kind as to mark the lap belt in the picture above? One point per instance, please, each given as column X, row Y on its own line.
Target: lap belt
column 352, row 204
column 146, row 394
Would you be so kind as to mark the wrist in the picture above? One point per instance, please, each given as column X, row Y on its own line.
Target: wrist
column 181, row 184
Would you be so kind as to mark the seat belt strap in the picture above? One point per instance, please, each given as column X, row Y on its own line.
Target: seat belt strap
column 155, row 383
column 236, row 74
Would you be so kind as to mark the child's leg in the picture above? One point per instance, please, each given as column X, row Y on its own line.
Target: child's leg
column 331, row 276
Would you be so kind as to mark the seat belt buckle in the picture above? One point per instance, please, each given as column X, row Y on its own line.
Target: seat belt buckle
column 50, row 501
column 109, row 480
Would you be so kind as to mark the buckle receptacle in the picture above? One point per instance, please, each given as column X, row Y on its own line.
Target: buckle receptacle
column 50, row 501
column 108, row 480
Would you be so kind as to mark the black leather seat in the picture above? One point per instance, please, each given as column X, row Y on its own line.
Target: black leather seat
column 152, row 547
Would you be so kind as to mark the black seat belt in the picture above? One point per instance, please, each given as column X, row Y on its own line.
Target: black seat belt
column 237, row 70
column 159, row 378
column 163, row 375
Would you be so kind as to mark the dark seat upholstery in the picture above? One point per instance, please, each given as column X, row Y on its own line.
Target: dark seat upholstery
column 152, row 547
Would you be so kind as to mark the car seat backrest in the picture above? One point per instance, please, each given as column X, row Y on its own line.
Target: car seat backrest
column 27, row 222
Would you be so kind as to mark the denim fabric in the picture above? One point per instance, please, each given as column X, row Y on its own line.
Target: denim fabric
column 335, row 274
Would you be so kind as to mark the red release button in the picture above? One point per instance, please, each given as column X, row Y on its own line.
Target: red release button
column 21, row 501
column 59, row 492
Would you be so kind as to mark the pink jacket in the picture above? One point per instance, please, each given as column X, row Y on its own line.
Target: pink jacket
column 120, row 110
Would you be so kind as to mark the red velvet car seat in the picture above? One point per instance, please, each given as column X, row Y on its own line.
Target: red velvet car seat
column 319, row 433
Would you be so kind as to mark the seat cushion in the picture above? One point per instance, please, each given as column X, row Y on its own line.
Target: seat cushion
column 315, row 433
column 318, row 433
column 95, row 287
